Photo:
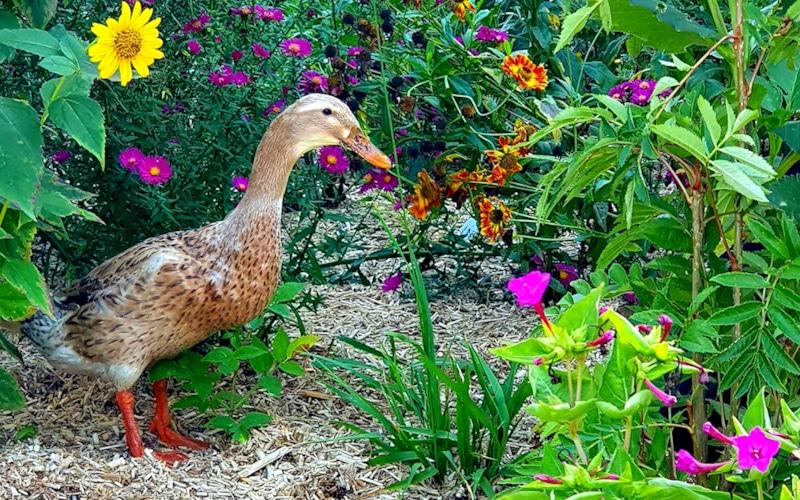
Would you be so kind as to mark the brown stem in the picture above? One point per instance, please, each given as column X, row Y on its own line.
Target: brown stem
column 698, row 395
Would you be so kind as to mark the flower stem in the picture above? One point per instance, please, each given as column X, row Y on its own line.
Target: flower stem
column 573, row 430
column 581, row 360
column 569, row 381
column 760, row 489
column 628, row 428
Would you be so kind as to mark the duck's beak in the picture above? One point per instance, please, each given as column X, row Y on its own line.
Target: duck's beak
column 359, row 144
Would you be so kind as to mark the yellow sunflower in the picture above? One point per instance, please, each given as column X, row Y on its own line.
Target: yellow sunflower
column 131, row 39
column 493, row 217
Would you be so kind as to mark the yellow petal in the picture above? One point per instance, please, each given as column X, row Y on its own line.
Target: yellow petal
column 109, row 60
column 97, row 50
column 137, row 11
column 125, row 73
column 139, row 22
column 152, row 24
column 152, row 44
column 101, row 30
column 113, row 25
column 141, row 67
column 152, row 53
column 125, row 17
column 107, row 71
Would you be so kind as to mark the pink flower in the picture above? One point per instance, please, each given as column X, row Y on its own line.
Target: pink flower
column 538, row 361
column 354, row 51
column 666, row 399
column 630, row 298
column 195, row 25
column 666, row 322
column 703, row 377
column 353, row 81
column 311, row 81
column 712, row 431
column 60, row 157
column 219, row 79
column 275, row 107
column 194, row 46
column 333, row 159
column 392, row 283
column 566, row 274
column 269, row 14
column 384, row 180
column 603, row 339
column 240, row 183
column 131, row 159
column 755, row 450
column 260, row 51
column 547, row 479
column 296, row 47
column 239, row 78
column 155, row 170
column 485, row 34
column 236, row 55
column 530, row 288
column 685, row 462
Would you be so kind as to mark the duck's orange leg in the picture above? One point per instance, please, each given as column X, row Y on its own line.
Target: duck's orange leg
column 161, row 422
column 132, row 437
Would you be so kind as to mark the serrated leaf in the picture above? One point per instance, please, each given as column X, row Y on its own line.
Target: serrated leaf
column 301, row 343
column 658, row 25
column 163, row 369
column 59, row 65
column 709, row 119
column 777, row 355
column 219, row 355
column 790, row 133
column 254, row 419
column 78, row 85
column 682, row 137
column 735, row 314
column 7, row 21
column 786, row 297
column 10, row 397
column 696, row 338
column 573, row 24
column 767, row 237
column 748, row 157
column 34, row 41
column 757, row 414
column 733, row 175
column 82, row 119
column 785, row 323
column 741, row 280
column 24, row 276
column 21, row 161
column 743, row 118
column 248, row 352
column 768, row 374
column 280, row 344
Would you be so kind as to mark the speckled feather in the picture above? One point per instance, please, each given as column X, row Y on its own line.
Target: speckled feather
column 169, row 292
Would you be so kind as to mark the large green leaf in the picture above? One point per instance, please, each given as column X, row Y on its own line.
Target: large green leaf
column 735, row 177
column 34, row 41
column 21, row 161
column 7, row 346
column 81, row 118
column 741, row 280
column 766, row 236
column 39, row 12
column 573, row 23
column 59, row 65
column 14, row 306
column 790, row 133
column 735, row 314
column 10, row 397
column 26, row 278
column 682, row 137
column 73, row 85
column 658, row 25
column 7, row 21
column 785, row 194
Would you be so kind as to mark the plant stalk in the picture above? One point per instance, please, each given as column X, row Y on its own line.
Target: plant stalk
column 698, row 394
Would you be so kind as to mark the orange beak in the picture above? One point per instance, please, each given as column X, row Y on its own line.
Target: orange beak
column 359, row 144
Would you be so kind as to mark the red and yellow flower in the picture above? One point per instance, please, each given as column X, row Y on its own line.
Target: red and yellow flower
column 461, row 182
column 460, row 8
column 427, row 195
column 528, row 75
column 494, row 216
column 505, row 160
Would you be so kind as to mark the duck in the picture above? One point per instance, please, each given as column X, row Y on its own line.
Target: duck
column 169, row 292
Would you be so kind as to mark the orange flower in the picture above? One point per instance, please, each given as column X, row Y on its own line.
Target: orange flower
column 427, row 195
column 459, row 179
column 505, row 161
column 493, row 217
column 529, row 75
column 460, row 8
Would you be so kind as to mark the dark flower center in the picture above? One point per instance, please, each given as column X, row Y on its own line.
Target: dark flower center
column 128, row 44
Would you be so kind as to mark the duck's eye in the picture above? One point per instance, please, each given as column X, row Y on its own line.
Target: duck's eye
column 327, row 111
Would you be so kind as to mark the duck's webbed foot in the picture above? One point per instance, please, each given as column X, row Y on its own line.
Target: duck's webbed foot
column 161, row 423
column 132, row 436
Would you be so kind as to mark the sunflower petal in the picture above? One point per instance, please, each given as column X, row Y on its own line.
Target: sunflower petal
column 139, row 22
column 141, row 67
column 125, row 73
column 125, row 17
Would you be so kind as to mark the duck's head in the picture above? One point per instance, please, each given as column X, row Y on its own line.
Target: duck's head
column 318, row 120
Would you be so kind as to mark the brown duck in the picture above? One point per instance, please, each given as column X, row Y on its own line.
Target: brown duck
column 169, row 292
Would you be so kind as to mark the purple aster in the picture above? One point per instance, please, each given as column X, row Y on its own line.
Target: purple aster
column 630, row 298
column 239, row 78
column 245, row 10
column 354, row 51
column 352, row 63
column 311, row 81
column 384, row 180
column 755, row 450
column 333, row 159
column 392, row 283
column 353, row 81
column 166, row 110
column 195, row 25
column 275, row 107
column 131, row 159
column 236, row 55
column 269, row 14
column 566, row 274
column 260, row 51
column 485, row 34
column 194, row 46
column 296, row 47
column 155, row 170
column 641, row 97
column 240, row 183
column 220, row 79
column 60, row 157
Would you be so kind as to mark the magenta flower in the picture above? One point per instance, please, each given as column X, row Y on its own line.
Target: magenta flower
column 275, row 107
column 530, row 288
column 269, row 14
column 296, row 47
column 239, row 78
column 333, row 159
column 703, row 377
column 666, row 322
column 240, row 183
column 392, row 283
column 485, row 34
column 641, row 97
column 755, row 450
column 195, row 25
column 60, row 157
column 667, row 400
column 352, row 63
column 353, row 81
column 219, row 79
column 630, row 298
column 603, row 339
column 131, row 159
column 547, row 479
column 155, row 170
column 194, row 46
column 685, row 462
column 384, row 180
column 236, row 55
column 712, row 431
column 311, row 81
column 354, row 51
column 538, row 361
column 566, row 274
column 260, row 51
column 244, row 11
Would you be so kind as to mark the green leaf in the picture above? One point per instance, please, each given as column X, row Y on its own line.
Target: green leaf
column 573, row 24
column 248, row 352
column 81, row 118
column 292, row 368
column 10, row 397
column 39, row 12
column 735, row 177
column 709, row 119
column 34, row 41
column 302, row 342
column 696, row 338
column 682, row 137
column 21, row 162
column 59, row 65
column 767, row 237
column 219, row 355
column 658, row 25
column 280, row 344
column 735, row 314
column 26, row 278
column 634, row 404
column 790, row 133
column 7, row 21
column 254, row 419
column 741, row 280
column 777, row 355
column 163, row 369
column 561, row 412
column 287, row 292
column 786, row 297
column 271, row 384
column 14, row 305
column 7, row 346
column 785, row 194
column 223, row 422
column 27, row 432
column 768, row 374
column 748, row 157
column 74, row 49
column 77, row 85
column 757, row 414
column 785, row 323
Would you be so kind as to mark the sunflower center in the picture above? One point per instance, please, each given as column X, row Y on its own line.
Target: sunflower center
column 294, row 48
column 155, row 171
column 331, row 160
column 128, row 44
column 496, row 216
column 509, row 161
